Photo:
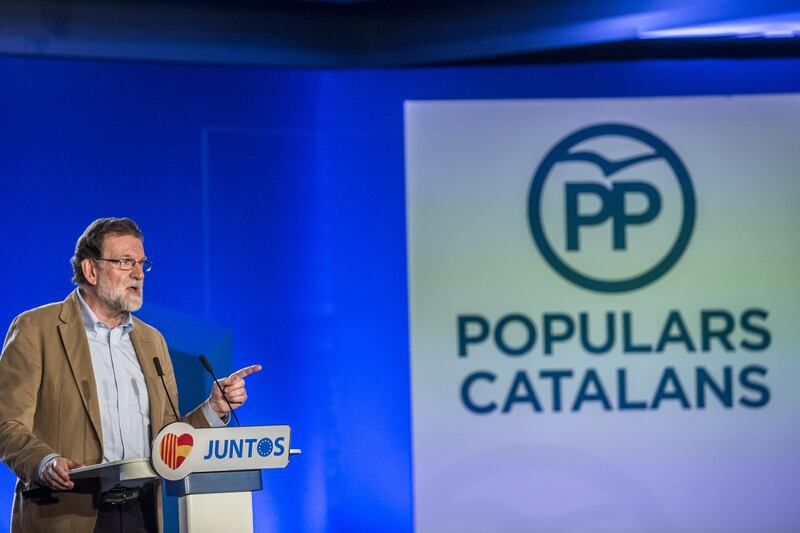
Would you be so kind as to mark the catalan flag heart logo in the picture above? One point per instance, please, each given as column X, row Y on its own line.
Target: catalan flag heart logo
column 175, row 449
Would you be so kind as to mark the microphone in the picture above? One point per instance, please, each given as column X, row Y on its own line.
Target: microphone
column 207, row 366
column 160, row 372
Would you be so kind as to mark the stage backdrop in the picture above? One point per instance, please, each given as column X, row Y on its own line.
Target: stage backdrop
column 273, row 205
column 603, row 303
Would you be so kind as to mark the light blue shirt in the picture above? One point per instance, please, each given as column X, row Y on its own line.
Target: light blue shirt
column 121, row 390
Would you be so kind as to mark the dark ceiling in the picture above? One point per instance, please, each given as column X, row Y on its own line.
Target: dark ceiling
column 372, row 33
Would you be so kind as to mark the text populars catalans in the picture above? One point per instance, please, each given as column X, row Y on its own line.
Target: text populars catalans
column 608, row 383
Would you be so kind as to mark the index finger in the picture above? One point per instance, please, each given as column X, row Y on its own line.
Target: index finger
column 252, row 369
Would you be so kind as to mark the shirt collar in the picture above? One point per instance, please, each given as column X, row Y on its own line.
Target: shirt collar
column 91, row 322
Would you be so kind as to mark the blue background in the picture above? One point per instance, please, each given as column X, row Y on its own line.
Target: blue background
column 272, row 202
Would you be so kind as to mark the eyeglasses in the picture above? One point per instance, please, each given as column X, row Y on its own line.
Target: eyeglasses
column 127, row 263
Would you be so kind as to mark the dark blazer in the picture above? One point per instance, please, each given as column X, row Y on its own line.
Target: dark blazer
column 50, row 405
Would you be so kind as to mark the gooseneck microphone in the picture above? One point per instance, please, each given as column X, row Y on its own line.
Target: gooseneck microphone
column 160, row 372
column 207, row 366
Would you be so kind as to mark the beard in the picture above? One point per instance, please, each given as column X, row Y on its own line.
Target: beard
column 120, row 300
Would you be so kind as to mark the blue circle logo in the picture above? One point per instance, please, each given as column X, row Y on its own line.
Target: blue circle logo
column 264, row 447
column 628, row 207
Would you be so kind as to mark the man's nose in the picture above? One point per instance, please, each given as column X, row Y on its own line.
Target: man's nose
column 138, row 271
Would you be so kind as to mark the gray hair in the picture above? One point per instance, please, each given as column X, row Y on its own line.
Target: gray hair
column 90, row 244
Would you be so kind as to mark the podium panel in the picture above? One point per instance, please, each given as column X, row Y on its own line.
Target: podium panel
column 215, row 501
column 215, row 512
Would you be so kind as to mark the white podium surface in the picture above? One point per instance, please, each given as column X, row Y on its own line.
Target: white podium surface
column 126, row 472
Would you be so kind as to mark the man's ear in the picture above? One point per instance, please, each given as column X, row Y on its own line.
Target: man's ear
column 89, row 269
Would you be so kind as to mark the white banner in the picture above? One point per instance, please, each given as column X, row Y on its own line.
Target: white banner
column 603, row 305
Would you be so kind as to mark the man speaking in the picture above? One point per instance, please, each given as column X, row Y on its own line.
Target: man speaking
column 79, row 387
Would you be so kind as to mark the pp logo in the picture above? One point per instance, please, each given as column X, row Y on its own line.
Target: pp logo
column 611, row 207
column 175, row 449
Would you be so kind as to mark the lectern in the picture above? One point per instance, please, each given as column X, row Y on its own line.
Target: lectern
column 212, row 471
